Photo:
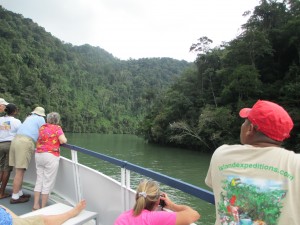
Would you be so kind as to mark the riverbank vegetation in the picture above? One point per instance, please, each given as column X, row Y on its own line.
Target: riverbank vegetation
column 167, row 101
column 89, row 87
column 200, row 110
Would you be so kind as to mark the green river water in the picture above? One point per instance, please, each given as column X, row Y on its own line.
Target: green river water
column 186, row 165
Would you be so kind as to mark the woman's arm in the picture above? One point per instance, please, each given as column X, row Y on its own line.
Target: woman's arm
column 62, row 139
column 185, row 215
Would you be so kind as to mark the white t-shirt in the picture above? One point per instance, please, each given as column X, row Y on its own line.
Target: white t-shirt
column 8, row 128
column 254, row 185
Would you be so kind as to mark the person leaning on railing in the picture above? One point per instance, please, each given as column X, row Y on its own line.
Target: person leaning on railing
column 146, row 209
column 21, row 149
column 47, row 155
column 9, row 126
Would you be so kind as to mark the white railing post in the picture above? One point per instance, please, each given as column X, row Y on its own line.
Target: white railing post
column 76, row 175
column 123, row 186
column 127, row 172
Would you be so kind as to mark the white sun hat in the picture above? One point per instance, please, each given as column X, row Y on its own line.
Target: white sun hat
column 39, row 111
column 3, row 102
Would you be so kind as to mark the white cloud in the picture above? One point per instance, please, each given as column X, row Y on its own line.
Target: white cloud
column 136, row 28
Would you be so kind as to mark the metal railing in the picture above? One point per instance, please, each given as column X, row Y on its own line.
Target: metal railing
column 127, row 167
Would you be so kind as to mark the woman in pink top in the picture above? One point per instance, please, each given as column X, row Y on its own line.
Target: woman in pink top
column 146, row 210
column 47, row 153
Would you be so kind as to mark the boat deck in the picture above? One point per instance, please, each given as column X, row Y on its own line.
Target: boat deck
column 20, row 208
column 77, row 181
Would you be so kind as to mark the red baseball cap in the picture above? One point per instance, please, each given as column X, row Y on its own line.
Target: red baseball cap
column 270, row 119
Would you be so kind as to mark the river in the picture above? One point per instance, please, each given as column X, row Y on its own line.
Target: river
column 186, row 165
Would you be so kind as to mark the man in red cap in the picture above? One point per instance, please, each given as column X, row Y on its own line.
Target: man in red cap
column 268, row 175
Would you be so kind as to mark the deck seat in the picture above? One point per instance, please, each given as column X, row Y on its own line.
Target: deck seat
column 85, row 217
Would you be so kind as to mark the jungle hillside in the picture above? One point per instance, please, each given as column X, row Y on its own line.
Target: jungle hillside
column 91, row 89
column 200, row 110
column 167, row 101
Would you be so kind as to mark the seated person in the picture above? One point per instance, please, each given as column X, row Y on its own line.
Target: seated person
column 7, row 217
column 145, row 211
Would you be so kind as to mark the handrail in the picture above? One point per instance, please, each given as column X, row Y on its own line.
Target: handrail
column 172, row 182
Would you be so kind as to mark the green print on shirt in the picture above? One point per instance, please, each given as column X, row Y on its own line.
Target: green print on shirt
column 247, row 201
column 259, row 166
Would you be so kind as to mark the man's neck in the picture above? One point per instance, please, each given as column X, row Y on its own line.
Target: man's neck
column 265, row 144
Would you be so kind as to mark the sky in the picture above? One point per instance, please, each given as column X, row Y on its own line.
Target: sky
column 137, row 28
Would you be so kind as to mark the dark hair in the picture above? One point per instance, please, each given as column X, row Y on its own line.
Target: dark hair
column 10, row 109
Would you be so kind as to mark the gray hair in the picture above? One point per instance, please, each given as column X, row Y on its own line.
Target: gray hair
column 53, row 118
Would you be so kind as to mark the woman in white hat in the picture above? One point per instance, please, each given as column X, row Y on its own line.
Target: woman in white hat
column 21, row 149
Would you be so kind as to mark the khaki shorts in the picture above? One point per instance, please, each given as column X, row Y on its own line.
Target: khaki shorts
column 31, row 220
column 21, row 150
column 4, row 156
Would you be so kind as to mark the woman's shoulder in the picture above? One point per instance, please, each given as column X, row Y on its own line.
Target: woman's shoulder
column 53, row 126
column 16, row 120
column 125, row 216
column 9, row 118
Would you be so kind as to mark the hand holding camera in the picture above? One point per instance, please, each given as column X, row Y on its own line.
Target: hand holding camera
column 162, row 203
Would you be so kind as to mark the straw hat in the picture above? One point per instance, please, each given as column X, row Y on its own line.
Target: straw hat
column 39, row 111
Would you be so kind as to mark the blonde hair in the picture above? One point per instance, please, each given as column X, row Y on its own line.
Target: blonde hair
column 147, row 195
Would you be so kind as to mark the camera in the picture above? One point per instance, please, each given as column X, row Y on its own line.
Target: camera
column 162, row 203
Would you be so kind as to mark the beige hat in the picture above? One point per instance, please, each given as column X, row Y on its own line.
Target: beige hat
column 3, row 102
column 39, row 111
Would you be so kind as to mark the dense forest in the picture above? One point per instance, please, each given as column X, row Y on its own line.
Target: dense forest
column 91, row 89
column 200, row 110
column 192, row 105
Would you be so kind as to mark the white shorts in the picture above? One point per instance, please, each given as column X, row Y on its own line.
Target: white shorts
column 46, row 170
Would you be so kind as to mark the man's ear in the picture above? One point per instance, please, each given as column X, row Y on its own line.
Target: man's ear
column 251, row 130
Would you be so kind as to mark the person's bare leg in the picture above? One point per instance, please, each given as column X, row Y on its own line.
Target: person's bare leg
column 5, row 178
column 18, row 180
column 44, row 199
column 61, row 218
column 36, row 201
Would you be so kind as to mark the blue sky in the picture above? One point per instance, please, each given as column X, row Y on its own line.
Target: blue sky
column 137, row 28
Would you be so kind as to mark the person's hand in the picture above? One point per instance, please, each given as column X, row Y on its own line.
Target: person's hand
column 167, row 200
